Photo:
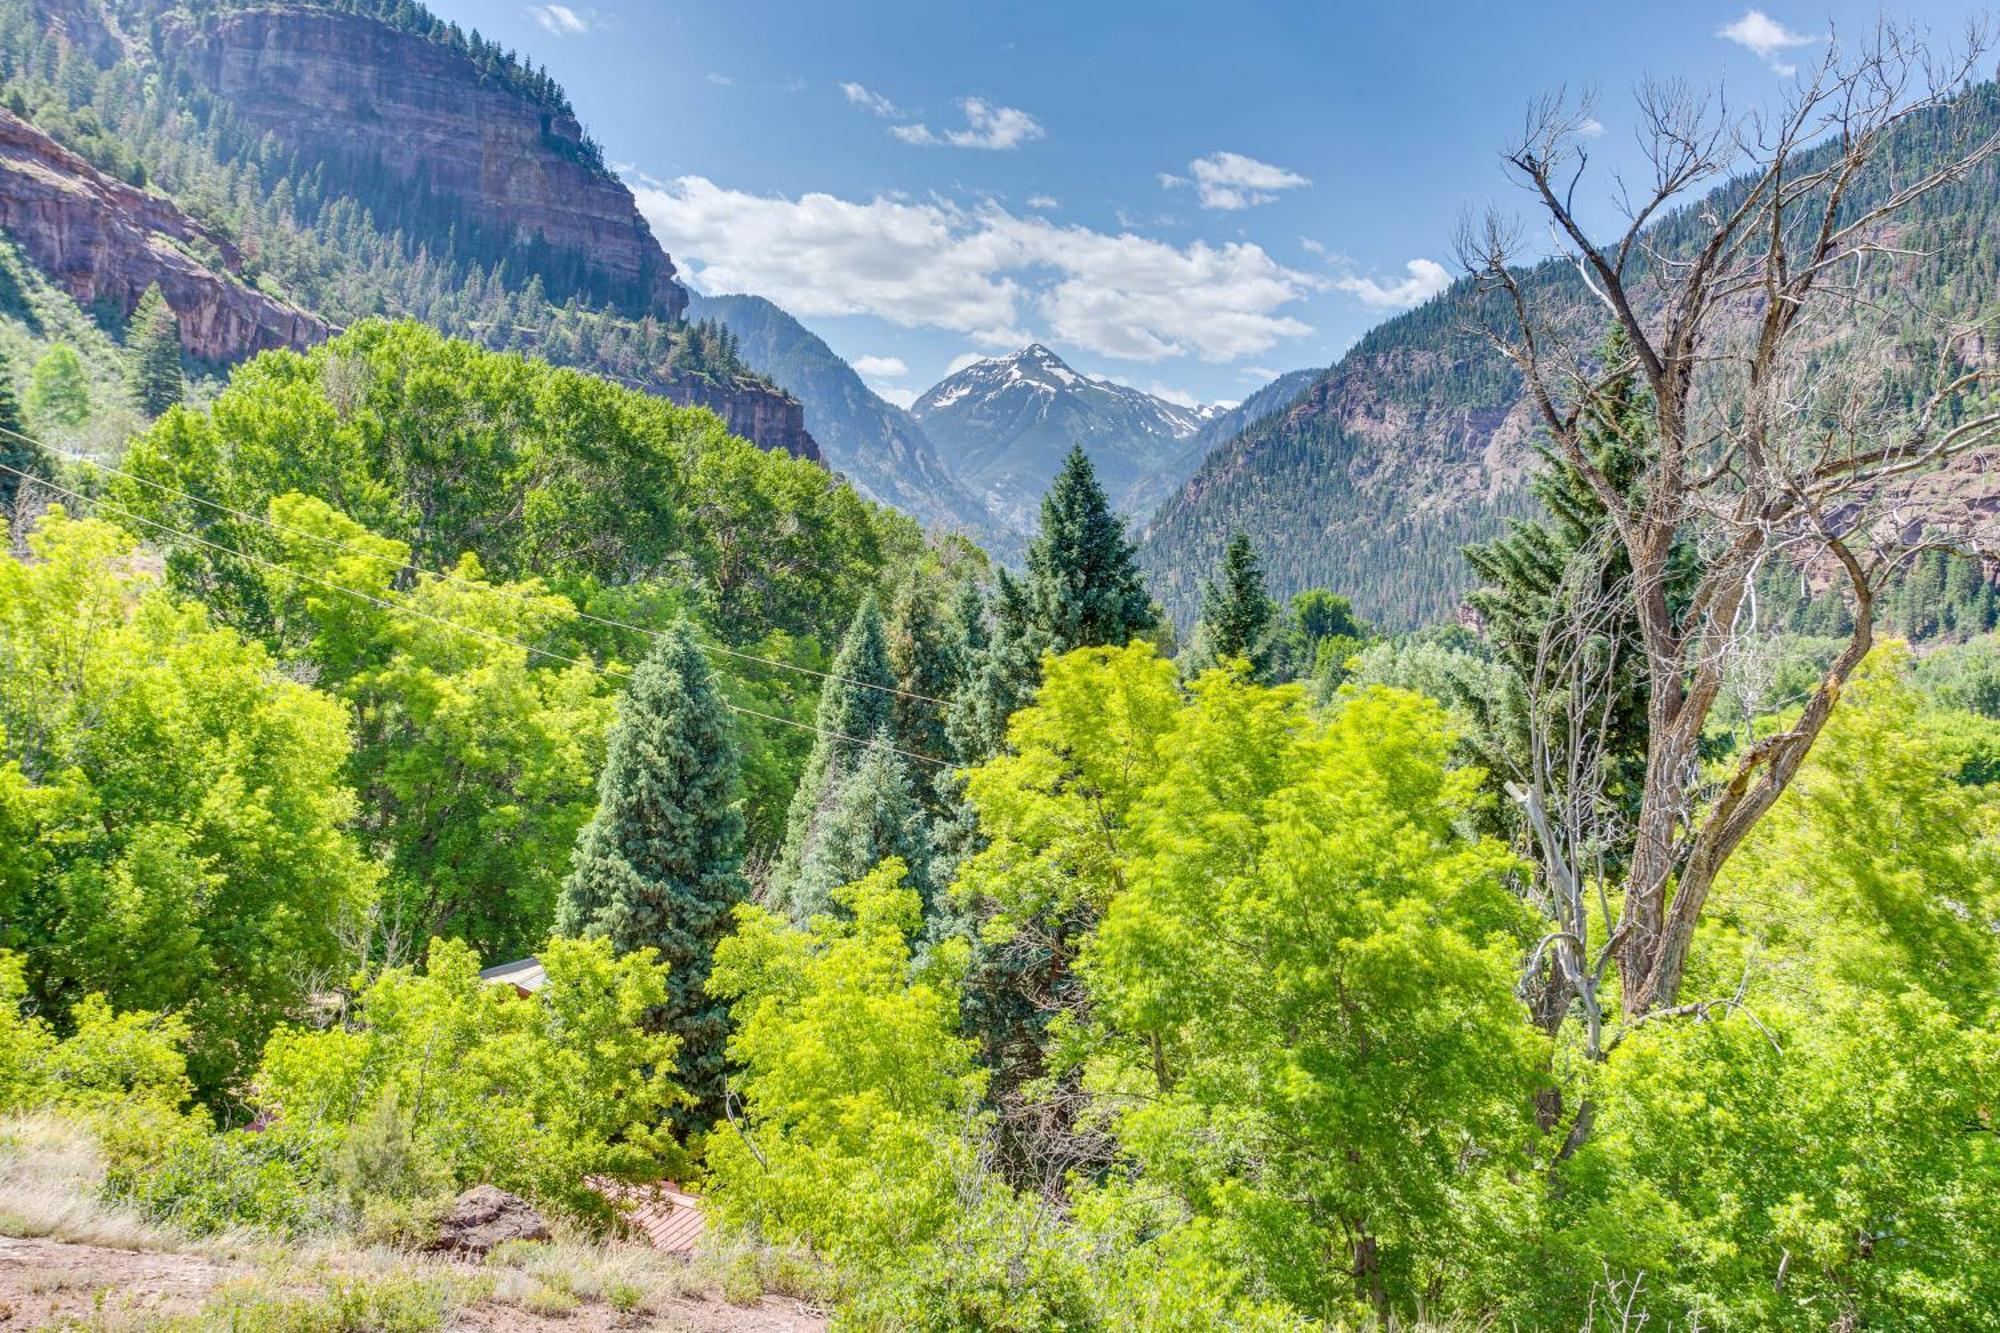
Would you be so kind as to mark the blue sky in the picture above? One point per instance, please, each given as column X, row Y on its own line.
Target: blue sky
column 1186, row 197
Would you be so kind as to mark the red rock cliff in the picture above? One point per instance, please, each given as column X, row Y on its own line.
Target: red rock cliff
column 102, row 240
column 346, row 84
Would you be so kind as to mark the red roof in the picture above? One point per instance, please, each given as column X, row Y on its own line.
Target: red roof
column 668, row 1217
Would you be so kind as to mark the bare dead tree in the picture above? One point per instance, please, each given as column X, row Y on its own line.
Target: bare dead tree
column 1773, row 438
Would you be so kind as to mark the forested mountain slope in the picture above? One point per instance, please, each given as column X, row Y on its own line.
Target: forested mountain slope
column 369, row 159
column 1416, row 442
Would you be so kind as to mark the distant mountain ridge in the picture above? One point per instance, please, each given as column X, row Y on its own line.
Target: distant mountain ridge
column 875, row 444
column 1002, row 425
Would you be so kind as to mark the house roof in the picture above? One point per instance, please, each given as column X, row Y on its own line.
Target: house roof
column 523, row 974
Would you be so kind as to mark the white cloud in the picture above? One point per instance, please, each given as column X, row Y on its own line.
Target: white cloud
column 560, row 20
column 881, row 367
column 1232, row 181
column 961, row 361
column 1256, row 375
column 721, row 80
column 1591, row 127
column 871, row 100
column 1763, row 35
column 903, row 398
column 1044, row 201
column 979, row 271
column 1427, row 278
column 986, row 126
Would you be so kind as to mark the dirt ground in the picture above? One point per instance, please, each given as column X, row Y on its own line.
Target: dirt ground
column 44, row 1282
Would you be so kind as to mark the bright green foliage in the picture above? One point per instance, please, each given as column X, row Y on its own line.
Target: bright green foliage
column 1054, row 813
column 1083, row 587
column 474, row 759
column 109, row 1059
column 1877, row 869
column 531, row 1094
column 1238, row 617
column 18, row 454
column 1321, row 634
column 856, row 707
column 660, row 864
column 451, row 448
column 874, row 815
column 1801, row 1171
column 860, row 1098
column 153, row 342
column 59, row 390
column 1304, row 989
column 174, row 803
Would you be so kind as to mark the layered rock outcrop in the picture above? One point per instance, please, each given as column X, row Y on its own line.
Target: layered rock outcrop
column 332, row 83
column 105, row 242
column 765, row 416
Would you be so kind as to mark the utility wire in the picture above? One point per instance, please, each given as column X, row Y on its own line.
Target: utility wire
column 335, row 543
column 473, row 630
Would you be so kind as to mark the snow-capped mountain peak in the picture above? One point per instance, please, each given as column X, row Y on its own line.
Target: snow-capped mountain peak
column 1004, row 423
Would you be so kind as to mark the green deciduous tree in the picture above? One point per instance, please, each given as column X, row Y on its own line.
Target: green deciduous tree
column 1083, row 587
column 1305, row 980
column 59, row 390
column 153, row 344
column 474, row 758
column 176, row 806
column 533, row 1095
column 660, row 864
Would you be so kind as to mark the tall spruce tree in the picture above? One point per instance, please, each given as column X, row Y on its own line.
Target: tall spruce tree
column 998, row 680
column 18, row 453
column 873, row 815
column 924, row 656
column 1084, row 587
column 153, row 341
column 1238, row 617
column 660, row 863
column 1532, row 576
column 856, row 705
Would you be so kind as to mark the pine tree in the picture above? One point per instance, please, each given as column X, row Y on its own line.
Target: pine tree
column 873, row 815
column 660, row 863
column 1238, row 617
column 854, row 706
column 18, row 453
column 924, row 658
column 1529, row 579
column 998, row 680
column 1084, row 587
column 153, row 340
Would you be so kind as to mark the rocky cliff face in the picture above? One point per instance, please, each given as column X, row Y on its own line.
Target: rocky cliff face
column 105, row 242
column 763, row 415
column 336, row 83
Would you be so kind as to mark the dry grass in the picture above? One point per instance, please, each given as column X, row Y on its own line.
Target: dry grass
column 51, row 1188
column 51, row 1183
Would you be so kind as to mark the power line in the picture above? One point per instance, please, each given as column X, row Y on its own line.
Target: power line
column 336, row 544
column 398, row 609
